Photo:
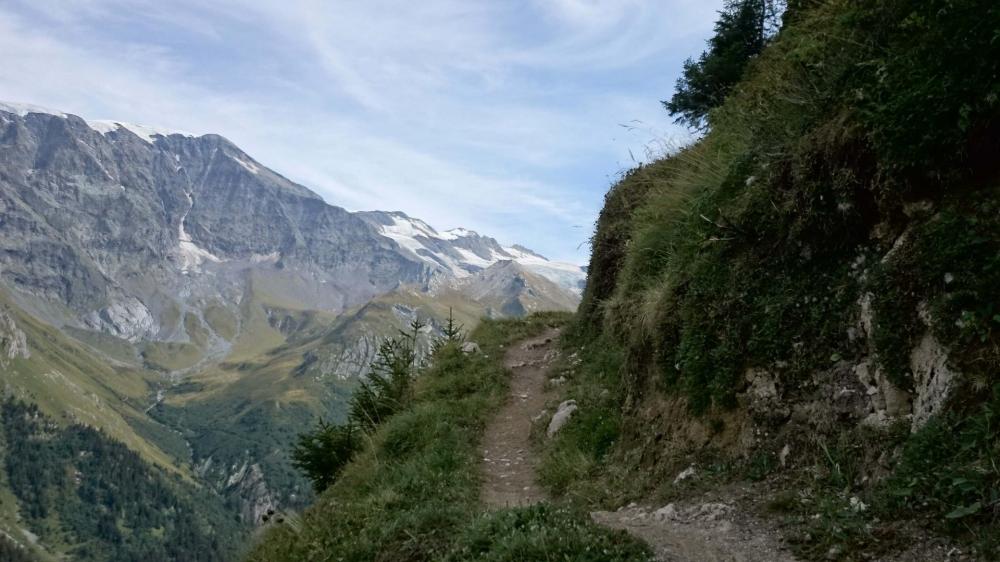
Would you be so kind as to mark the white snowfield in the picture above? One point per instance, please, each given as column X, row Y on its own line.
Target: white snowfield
column 104, row 127
column 419, row 238
column 142, row 131
column 23, row 109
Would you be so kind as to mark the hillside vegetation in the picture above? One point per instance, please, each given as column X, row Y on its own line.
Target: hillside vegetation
column 804, row 303
column 811, row 292
column 99, row 501
column 412, row 492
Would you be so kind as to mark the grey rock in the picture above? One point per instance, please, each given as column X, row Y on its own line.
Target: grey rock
column 470, row 347
column 562, row 415
column 933, row 379
column 13, row 342
column 128, row 319
column 666, row 513
column 686, row 474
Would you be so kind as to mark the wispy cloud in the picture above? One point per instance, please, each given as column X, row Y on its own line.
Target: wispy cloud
column 499, row 116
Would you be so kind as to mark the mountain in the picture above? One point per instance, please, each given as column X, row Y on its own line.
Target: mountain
column 200, row 308
column 460, row 252
column 121, row 228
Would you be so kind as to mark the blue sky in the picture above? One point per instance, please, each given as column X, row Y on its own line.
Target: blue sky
column 502, row 116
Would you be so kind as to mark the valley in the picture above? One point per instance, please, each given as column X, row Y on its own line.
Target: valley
column 186, row 301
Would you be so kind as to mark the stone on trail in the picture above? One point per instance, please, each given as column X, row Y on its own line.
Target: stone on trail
column 561, row 416
column 666, row 512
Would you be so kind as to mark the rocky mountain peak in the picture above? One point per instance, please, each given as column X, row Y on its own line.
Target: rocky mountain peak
column 116, row 227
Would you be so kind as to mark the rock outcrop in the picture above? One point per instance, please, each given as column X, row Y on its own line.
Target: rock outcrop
column 13, row 343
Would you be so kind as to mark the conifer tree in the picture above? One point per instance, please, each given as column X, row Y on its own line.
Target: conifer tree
column 741, row 33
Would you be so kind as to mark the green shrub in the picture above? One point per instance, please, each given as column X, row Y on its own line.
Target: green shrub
column 321, row 454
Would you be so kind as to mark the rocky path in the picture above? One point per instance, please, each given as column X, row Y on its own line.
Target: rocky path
column 697, row 532
column 508, row 468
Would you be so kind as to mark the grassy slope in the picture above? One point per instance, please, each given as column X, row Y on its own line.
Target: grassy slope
column 862, row 129
column 269, row 395
column 413, row 493
column 70, row 383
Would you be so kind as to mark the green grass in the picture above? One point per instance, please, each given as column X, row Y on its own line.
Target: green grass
column 741, row 250
column 171, row 356
column 72, row 384
column 222, row 321
column 855, row 161
column 574, row 463
column 413, row 494
column 115, row 348
column 950, row 473
column 542, row 532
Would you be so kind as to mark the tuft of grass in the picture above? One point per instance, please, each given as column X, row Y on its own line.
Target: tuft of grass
column 543, row 532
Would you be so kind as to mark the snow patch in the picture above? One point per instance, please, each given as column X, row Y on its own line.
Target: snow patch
column 23, row 109
column 408, row 233
column 104, row 127
column 190, row 254
column 144, row 132
column 249, row 166
column 405, row 227
column 564, row 274
column 456, row 233
column 472, row 259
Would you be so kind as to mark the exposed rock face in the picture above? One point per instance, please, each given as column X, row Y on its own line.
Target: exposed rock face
column 249, row 485
column 932, row 379
column 244, row 480
column 111, row 224
column 858, row 392
column 128, row 319
column 121, row 226
column 13, row 343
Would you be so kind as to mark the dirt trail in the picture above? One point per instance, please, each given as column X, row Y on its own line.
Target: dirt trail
column 696, row 532
column 508, row 468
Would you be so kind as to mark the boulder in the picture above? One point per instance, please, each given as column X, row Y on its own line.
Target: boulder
column 470, row 347
column 933, row 379
column 562, row 415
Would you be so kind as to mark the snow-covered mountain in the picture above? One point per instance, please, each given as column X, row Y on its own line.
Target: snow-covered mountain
column 460, row 252
column 151, row 220
column 144, row 132
column 450, row 254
